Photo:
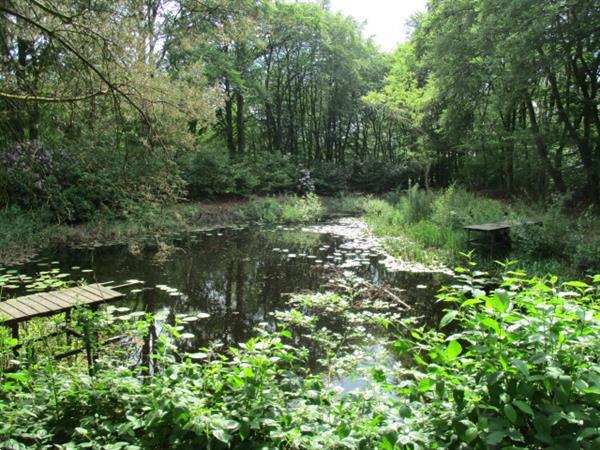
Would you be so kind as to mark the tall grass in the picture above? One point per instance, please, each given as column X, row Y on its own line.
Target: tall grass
column 428, row 226
column 285, row 209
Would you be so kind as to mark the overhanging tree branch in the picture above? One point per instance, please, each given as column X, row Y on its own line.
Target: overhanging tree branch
column 37, row 98
column 68, row 46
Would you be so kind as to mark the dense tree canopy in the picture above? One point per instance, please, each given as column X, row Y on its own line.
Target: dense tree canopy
column 116, row 100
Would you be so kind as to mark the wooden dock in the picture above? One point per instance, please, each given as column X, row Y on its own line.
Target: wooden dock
column 497, row 232
column 23, row 309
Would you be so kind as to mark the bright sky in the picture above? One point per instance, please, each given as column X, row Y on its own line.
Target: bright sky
column 386, row 19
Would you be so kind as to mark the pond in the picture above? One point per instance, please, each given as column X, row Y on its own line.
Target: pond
column 224, row 282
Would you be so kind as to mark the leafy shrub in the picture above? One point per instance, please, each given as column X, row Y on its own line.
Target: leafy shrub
column 519, row 369
column 277, row 173
column 330, row 178
column 377, row 176
column 348, row 204
column 455, row 207
column 514, row 367
column 302, row 209
column 265, row 210
column 416, row 205
column 288, row 209
column 210, row 172
column 549, row 239
column 73, row 184
column 18, row 226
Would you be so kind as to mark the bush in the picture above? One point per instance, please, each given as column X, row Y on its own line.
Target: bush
column 330, row 179
column 302, row 209
column 288, row 209
column 416, row 205
column 518, row 369
column 73, row 185
column 455, row 207
column 210, row 172
column 549, row 239
column 17, row 227
column 377, row 176
column 515, row 367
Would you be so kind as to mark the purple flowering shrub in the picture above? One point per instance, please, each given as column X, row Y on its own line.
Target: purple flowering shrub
column 27, row 170
column 33, row 176
column 75, row 185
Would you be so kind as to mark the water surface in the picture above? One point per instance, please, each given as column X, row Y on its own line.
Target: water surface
column 236, row 276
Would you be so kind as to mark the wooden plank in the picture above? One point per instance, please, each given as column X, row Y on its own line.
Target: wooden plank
column 103, row 291
column 79, row 296
column 59, row 301
column 94, row 293
column 10, row 312
column 57, row 297
column 50, row 306
column 47, row 303
column 497, row 226
column 34, row 302
column 21, row 306
column 488, row 226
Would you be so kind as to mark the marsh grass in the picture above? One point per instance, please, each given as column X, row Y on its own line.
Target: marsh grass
column 427, row 226
column 284, row 209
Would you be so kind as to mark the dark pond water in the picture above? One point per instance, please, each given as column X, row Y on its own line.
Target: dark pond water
column 237, row 276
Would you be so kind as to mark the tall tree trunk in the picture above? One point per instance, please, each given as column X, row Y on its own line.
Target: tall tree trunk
column 229, row 119
column 241, row 125
column 543, row 149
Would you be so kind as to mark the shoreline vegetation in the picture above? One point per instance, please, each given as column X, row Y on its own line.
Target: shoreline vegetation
column 415, row 225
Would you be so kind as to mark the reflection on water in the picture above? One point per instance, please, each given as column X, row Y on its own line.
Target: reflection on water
column 238, row 276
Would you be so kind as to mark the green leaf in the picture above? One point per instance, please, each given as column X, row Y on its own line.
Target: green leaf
column 448, row 317
column 198, row 355
column 495, row 438
column 286, row 333
column 510, row 413
column 523, row 407
column 491, row 323
column 500, row 301
column 470, row 434
column 577, row 284
column 453, row 350
column 471, row 301
column 222, row 435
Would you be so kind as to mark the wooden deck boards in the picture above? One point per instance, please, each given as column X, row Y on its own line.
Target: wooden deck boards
column 22, row 309
column 498, row 226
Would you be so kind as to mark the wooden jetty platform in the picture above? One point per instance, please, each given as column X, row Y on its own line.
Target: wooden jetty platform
column 497, row 232
column 23, row 309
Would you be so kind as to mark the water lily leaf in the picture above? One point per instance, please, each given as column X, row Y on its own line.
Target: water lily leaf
column 187, row 336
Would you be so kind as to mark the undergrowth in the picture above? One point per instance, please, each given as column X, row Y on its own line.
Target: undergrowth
column 428, row 226
column 514, row 367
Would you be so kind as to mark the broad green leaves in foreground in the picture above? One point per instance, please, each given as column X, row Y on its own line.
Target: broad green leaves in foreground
column 517, row 369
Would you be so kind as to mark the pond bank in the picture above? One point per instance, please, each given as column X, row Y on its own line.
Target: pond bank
column 25, row 235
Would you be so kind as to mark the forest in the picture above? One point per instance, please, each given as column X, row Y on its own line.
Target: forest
column 292, row 201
